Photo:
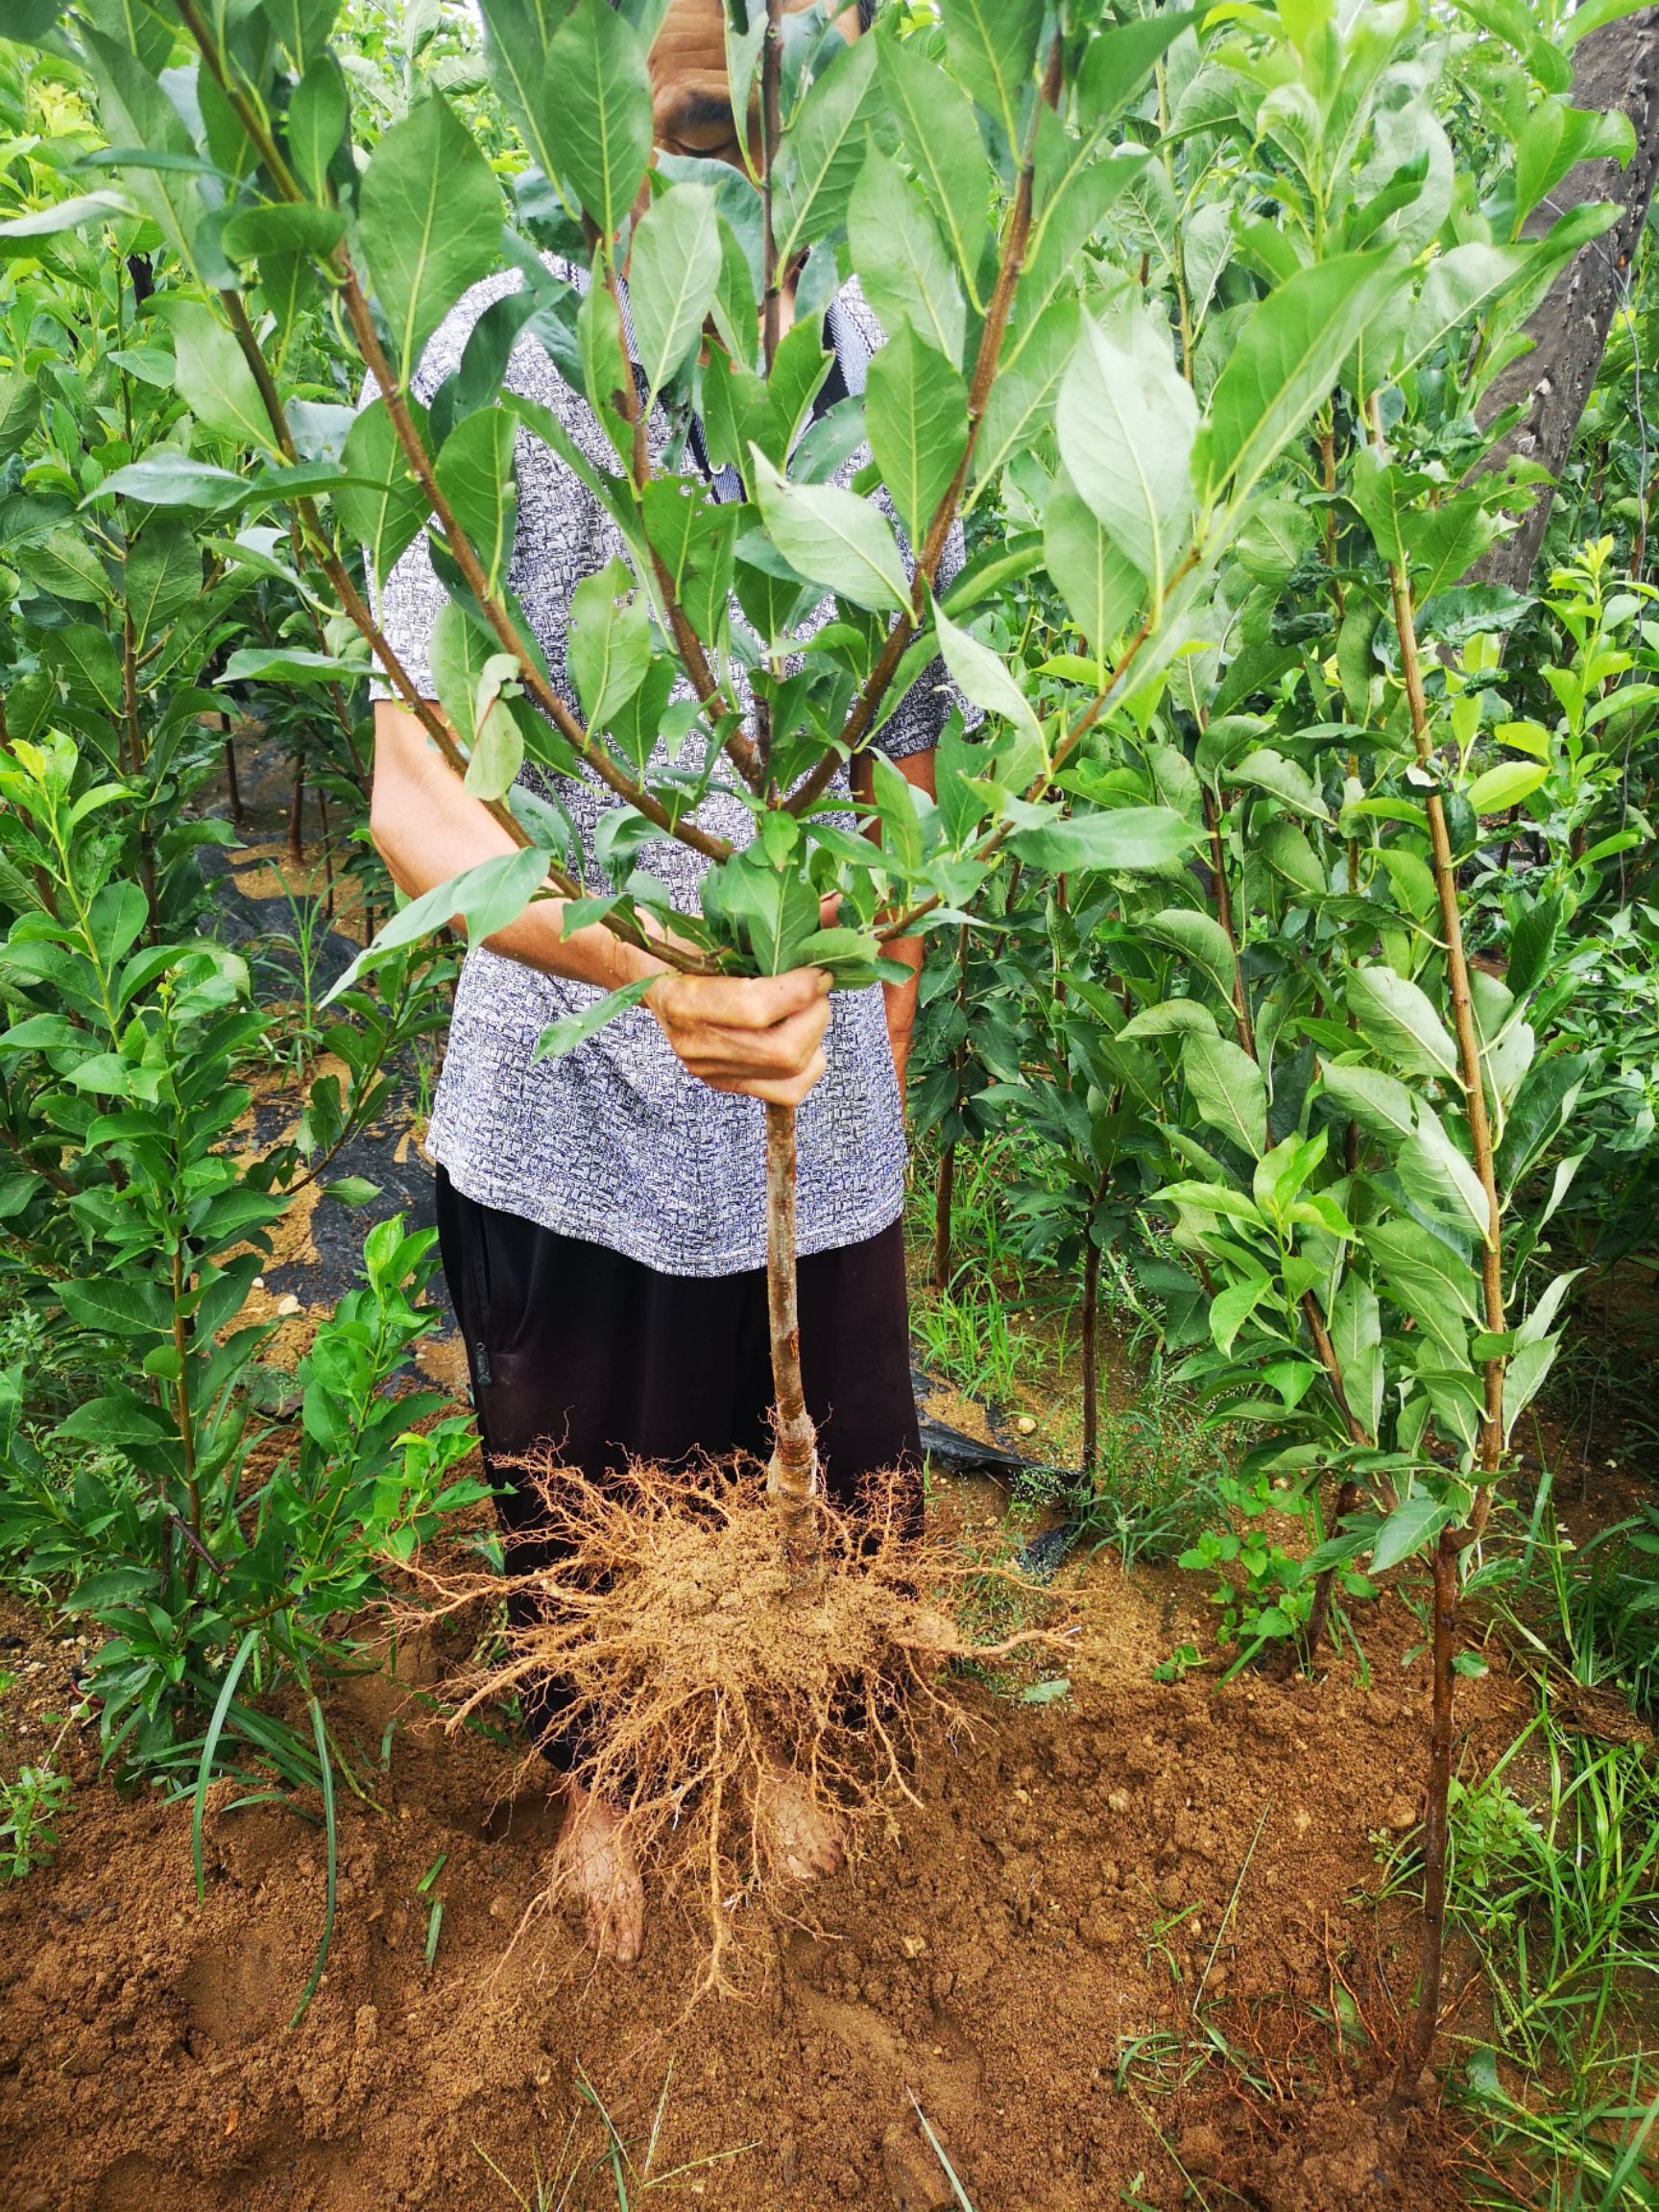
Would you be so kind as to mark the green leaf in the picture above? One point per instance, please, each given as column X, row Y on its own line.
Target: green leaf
column 1119, row 61
column 1398, row 1019
column 595, row 110
column 1506, row 785
column 486, row 896
column 474, row 471
column 982, row 678
column 386, row 511
column 163, row 569
column 822, row 151
column 1437, row 1178
column 831, row 537
column 573, row 1029
column 915, row 418
column 1101, row 587
column 610, row 642
column 1022, row 402
column 991, row 47
column 429, row 218
column 901, row 258
column 1431, row 1281
column 303, row 26
column 1264, row 770
column 1287, row 358
column 1201, row 939
column 1126, row 420
column 319, row 111
column 115, row 1307
column 1227, row 1088
column 1356, row 1323
column 1121, row 840
column 215, row 382
column 287, row 664
column 1382, row 1106
column 1414, row 1522
column 942, row 140
column 135, row 111
column 164, row 478
column 1232, row 1308
column 67, row 215
column 673, row 267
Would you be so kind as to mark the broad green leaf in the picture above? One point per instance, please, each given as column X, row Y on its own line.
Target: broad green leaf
column 1414, row 1522
column 1119, row 61
column 609, row 647
column 982, row 677
column 942, row 141
column 429, row 218
column 1524, row 1375
column 1022, row 402
column 474, row 471
column 66, row 565
column 304, row 27
column 822, row 151
column 486, row 896
column 163, row 571
column 673, row 267
column 318, row 113
column 1433, row 1283
column 1287, row 358
column 1266, row 770
column 215, row 382
column 831, row 537
column 1126, row 421
column 1121, row 840
column 595, row 110
column 135, row 111
column 573, row 1029
column 901, row 260
column 1228, row 1089
column 67, row 215
column 1102, row 586
column 1381, row 1104
column 1232, row 1308
column 1201, row 939
column 1435, row 1176
column 1400, row 1021
column 1356, row 1324
column 287, row 664
column 116, row 1306
column 1506, row 785
column 991, row 46
column 916, row 417
column 386, row 511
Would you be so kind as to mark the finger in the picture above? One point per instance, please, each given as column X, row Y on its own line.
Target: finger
column 747, row 1001
column 781, row 1051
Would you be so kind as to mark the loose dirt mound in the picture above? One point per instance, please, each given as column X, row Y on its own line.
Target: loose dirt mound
column 1024, row 1952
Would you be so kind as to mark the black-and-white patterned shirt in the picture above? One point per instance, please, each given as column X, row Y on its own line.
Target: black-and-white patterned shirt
column 617, row 1144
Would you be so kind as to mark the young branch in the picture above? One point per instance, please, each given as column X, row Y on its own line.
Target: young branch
column 1010, row 268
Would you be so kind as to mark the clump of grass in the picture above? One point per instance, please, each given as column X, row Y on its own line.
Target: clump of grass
column 969, row 1342
column 1157, row 1484
column 1552, row 1878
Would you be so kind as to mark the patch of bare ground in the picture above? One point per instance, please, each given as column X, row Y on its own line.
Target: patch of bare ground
column 1036, row 1948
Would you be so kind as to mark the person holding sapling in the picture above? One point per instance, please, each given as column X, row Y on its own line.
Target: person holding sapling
column 601, row 1214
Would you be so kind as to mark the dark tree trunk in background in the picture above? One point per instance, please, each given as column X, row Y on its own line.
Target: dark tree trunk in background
column 1616, row 67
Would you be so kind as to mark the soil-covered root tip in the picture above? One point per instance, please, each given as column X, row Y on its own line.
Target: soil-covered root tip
column 697, row 1670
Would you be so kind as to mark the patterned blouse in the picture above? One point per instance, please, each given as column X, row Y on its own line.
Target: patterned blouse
column 617, row 1144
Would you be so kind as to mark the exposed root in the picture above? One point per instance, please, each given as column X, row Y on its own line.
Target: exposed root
column 697, row 1670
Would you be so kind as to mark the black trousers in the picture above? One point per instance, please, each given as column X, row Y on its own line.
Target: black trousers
column 579, row 1350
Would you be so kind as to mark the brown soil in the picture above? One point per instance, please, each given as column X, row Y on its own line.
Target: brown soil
column 1027, row 1951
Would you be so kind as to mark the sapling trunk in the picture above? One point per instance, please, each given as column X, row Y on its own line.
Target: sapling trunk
column 792, row 1479
column 1420, row 2038
column 1091, row 1351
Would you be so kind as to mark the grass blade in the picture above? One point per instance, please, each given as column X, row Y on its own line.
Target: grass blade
column 210, row 1744
column 324, row 1761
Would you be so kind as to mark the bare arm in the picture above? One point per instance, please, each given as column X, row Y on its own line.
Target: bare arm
column 899, row 1000
column 761, row 1036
